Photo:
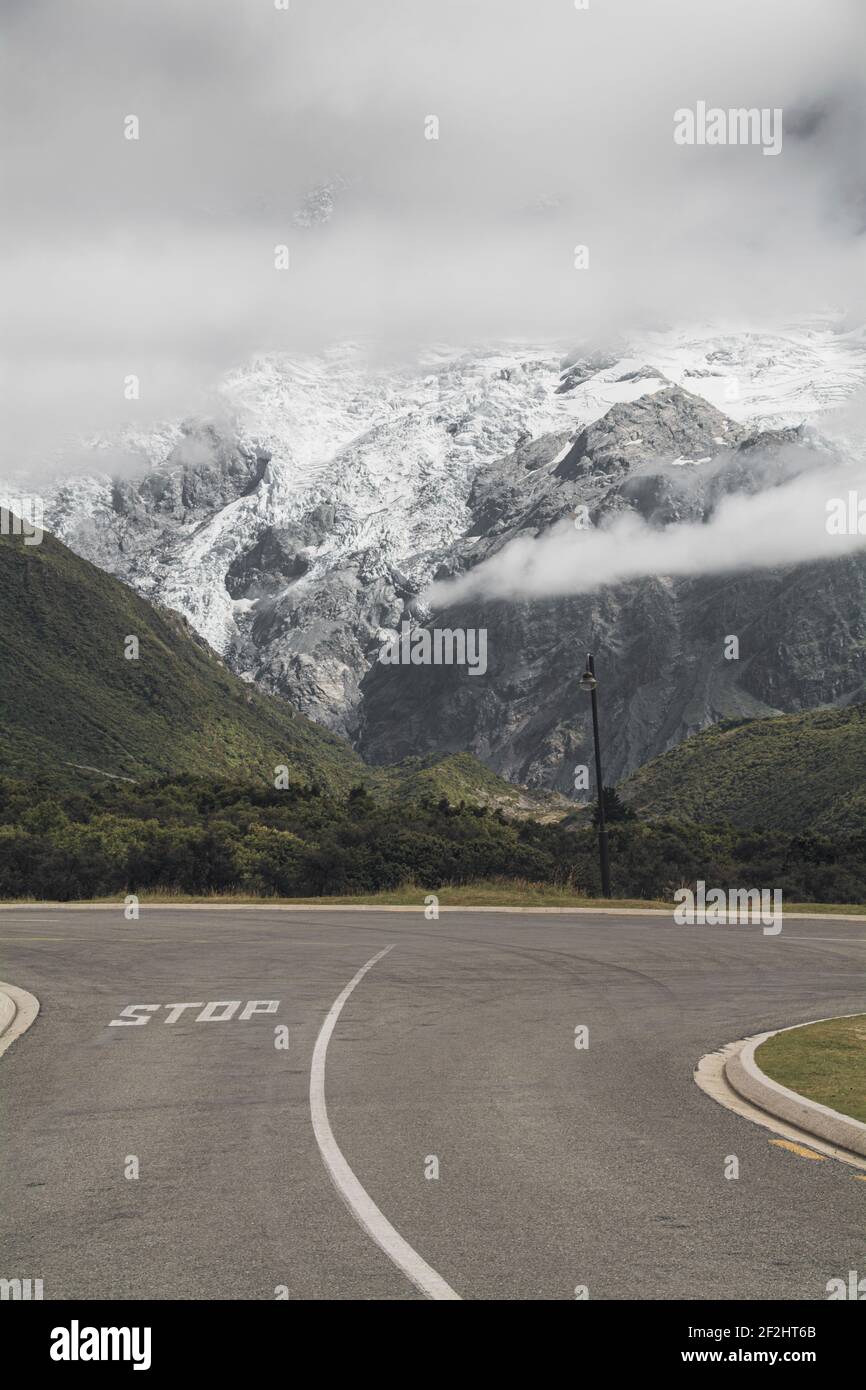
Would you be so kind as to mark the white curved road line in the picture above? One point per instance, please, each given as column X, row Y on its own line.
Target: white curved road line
column 359, row 1202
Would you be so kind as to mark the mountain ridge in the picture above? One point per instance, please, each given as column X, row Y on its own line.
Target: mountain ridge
column 299, row 527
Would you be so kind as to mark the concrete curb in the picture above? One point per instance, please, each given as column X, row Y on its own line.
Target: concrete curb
column 18, row 1010
column 746, row 1078
column 711, row 1078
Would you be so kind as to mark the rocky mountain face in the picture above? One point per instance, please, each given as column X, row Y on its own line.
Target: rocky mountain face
column 299, row 526
column 660, row 643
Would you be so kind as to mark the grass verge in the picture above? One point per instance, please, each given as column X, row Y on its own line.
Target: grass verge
column 487, row 893
column 824, row 1061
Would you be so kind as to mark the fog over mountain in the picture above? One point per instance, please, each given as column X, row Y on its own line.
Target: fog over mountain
column 306, row 127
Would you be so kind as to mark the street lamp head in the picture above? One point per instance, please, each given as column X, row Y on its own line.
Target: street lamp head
column 588, row 681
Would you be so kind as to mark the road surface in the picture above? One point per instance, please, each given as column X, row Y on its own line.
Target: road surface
column 558, row 1167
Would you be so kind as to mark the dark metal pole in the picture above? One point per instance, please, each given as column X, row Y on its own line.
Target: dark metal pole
column 603, row 852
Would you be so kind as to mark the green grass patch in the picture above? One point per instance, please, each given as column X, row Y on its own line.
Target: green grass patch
column 496, row 893
column 487, row 893
column 824, row 1061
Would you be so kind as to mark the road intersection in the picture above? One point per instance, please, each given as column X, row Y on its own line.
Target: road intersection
column 558, row 1168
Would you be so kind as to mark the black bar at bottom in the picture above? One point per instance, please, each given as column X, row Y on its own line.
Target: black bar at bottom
column 253, row 1340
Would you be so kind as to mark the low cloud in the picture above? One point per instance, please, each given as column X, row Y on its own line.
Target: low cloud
column 782, row 526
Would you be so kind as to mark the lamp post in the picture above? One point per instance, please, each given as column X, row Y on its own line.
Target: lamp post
column 589, row 682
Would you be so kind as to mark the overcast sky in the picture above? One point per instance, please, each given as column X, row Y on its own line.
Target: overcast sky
column 155, row 256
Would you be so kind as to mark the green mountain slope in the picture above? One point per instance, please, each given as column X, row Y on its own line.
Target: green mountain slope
column 788, row 772
column 69, row 696
column 461, row 777
column 72, row 707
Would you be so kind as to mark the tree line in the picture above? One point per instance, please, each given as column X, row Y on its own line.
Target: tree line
column 190, row 835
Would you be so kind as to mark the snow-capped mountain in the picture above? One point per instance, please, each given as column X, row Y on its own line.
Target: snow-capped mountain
column 296, row 527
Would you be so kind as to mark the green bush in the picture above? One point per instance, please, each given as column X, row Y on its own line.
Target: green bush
column 193, row 836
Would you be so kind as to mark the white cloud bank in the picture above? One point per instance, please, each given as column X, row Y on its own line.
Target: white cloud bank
column 782, row 526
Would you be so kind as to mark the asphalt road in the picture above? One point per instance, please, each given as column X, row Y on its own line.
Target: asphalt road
column 558, row 1166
